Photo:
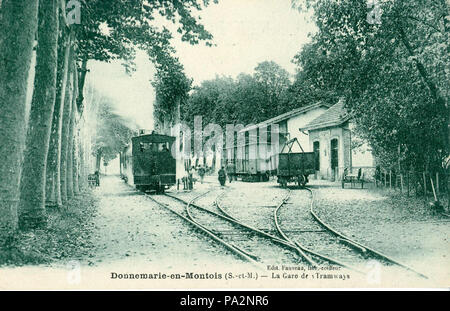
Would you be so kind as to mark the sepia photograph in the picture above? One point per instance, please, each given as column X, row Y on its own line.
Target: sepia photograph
column 223, row 145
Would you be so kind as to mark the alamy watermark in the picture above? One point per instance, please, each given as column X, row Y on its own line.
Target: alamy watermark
column 73, row 275
column 373, row 276
column 374, row 12
column 236, row 140
column 73, row 12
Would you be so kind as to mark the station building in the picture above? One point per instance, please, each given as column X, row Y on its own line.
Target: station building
column 289, row 123
column 265, row 151
column 337, row 146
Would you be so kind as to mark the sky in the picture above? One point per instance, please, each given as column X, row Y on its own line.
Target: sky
column 246, row 32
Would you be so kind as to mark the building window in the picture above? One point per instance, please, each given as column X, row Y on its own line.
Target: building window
column 334, row 153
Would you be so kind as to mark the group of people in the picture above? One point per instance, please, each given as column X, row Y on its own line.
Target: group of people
column 224, row 172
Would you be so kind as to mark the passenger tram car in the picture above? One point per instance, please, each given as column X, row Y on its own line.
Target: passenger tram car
column 148, row 164
column 256, row 159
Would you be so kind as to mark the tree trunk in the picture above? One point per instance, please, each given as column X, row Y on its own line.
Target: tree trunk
column 76, row 168
column 75, row 149
column 448, row 190
column 18, row 24
column 440, row 101
column 53, row 182
column 73, row 114
column 98, row 162
column 81, row 155
column 81, row 81
column 83, row 165
column 67, row 114
column 32, row 187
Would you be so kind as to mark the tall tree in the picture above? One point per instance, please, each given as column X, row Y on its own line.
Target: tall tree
column 67, row 116
column 395, row 66
column 18, row 24
column 131, row 25
column 113, row 133
column 32, row 194
column 310, row 84
column 248, row 96
column 392, row 66
column 226, row 101
column 70, row 136
column 76, row 161
column 114, row 29
column 53, row 169
column 171, row 87
column 274, row 81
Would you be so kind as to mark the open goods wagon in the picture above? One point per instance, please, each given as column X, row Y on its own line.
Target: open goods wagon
column 294, row 166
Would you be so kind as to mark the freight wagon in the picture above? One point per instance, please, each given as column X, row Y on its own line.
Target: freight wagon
column 295, row 166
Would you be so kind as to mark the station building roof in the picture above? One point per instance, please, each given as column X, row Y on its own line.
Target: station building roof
column 334, row 116
column 285, row 116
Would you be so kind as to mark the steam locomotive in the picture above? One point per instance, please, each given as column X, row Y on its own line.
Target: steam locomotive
column 148, row 164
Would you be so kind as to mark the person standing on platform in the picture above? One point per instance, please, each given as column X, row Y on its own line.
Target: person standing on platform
column 201, row 173
column 97, row 178
column 230, row 171
column 222, row 176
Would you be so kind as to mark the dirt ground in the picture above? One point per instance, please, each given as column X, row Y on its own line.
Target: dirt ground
column 132, row 234
column 133, row 230
column 403, row 228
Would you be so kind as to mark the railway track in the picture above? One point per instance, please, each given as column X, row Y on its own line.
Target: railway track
column 178, row 211
column 368, row 251
column 316, row 259
column 248, row 243
column 332, row 242
column 291, row 244
column 321, row 242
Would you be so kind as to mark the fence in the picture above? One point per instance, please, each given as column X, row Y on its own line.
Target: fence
column 414, row 182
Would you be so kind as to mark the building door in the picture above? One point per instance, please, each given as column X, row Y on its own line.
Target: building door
column 334, row 157
column 246, row 153
column 316, row 147
column 246, row 158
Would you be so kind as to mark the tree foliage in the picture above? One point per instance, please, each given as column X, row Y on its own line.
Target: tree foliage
column 171, row 87
column 114, row 29
column 109, row 30
column 393, row 74
column 244, row 100
column 113, row 132
column 273, row 81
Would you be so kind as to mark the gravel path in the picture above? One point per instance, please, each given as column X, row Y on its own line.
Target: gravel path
column 253, row 203
column 132, row 234
column 134, row 231
column 403, row 228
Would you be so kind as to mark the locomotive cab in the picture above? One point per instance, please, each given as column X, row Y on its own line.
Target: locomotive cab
column 153, row 166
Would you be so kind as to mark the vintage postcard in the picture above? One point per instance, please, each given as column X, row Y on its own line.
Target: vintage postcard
column 224, row 144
